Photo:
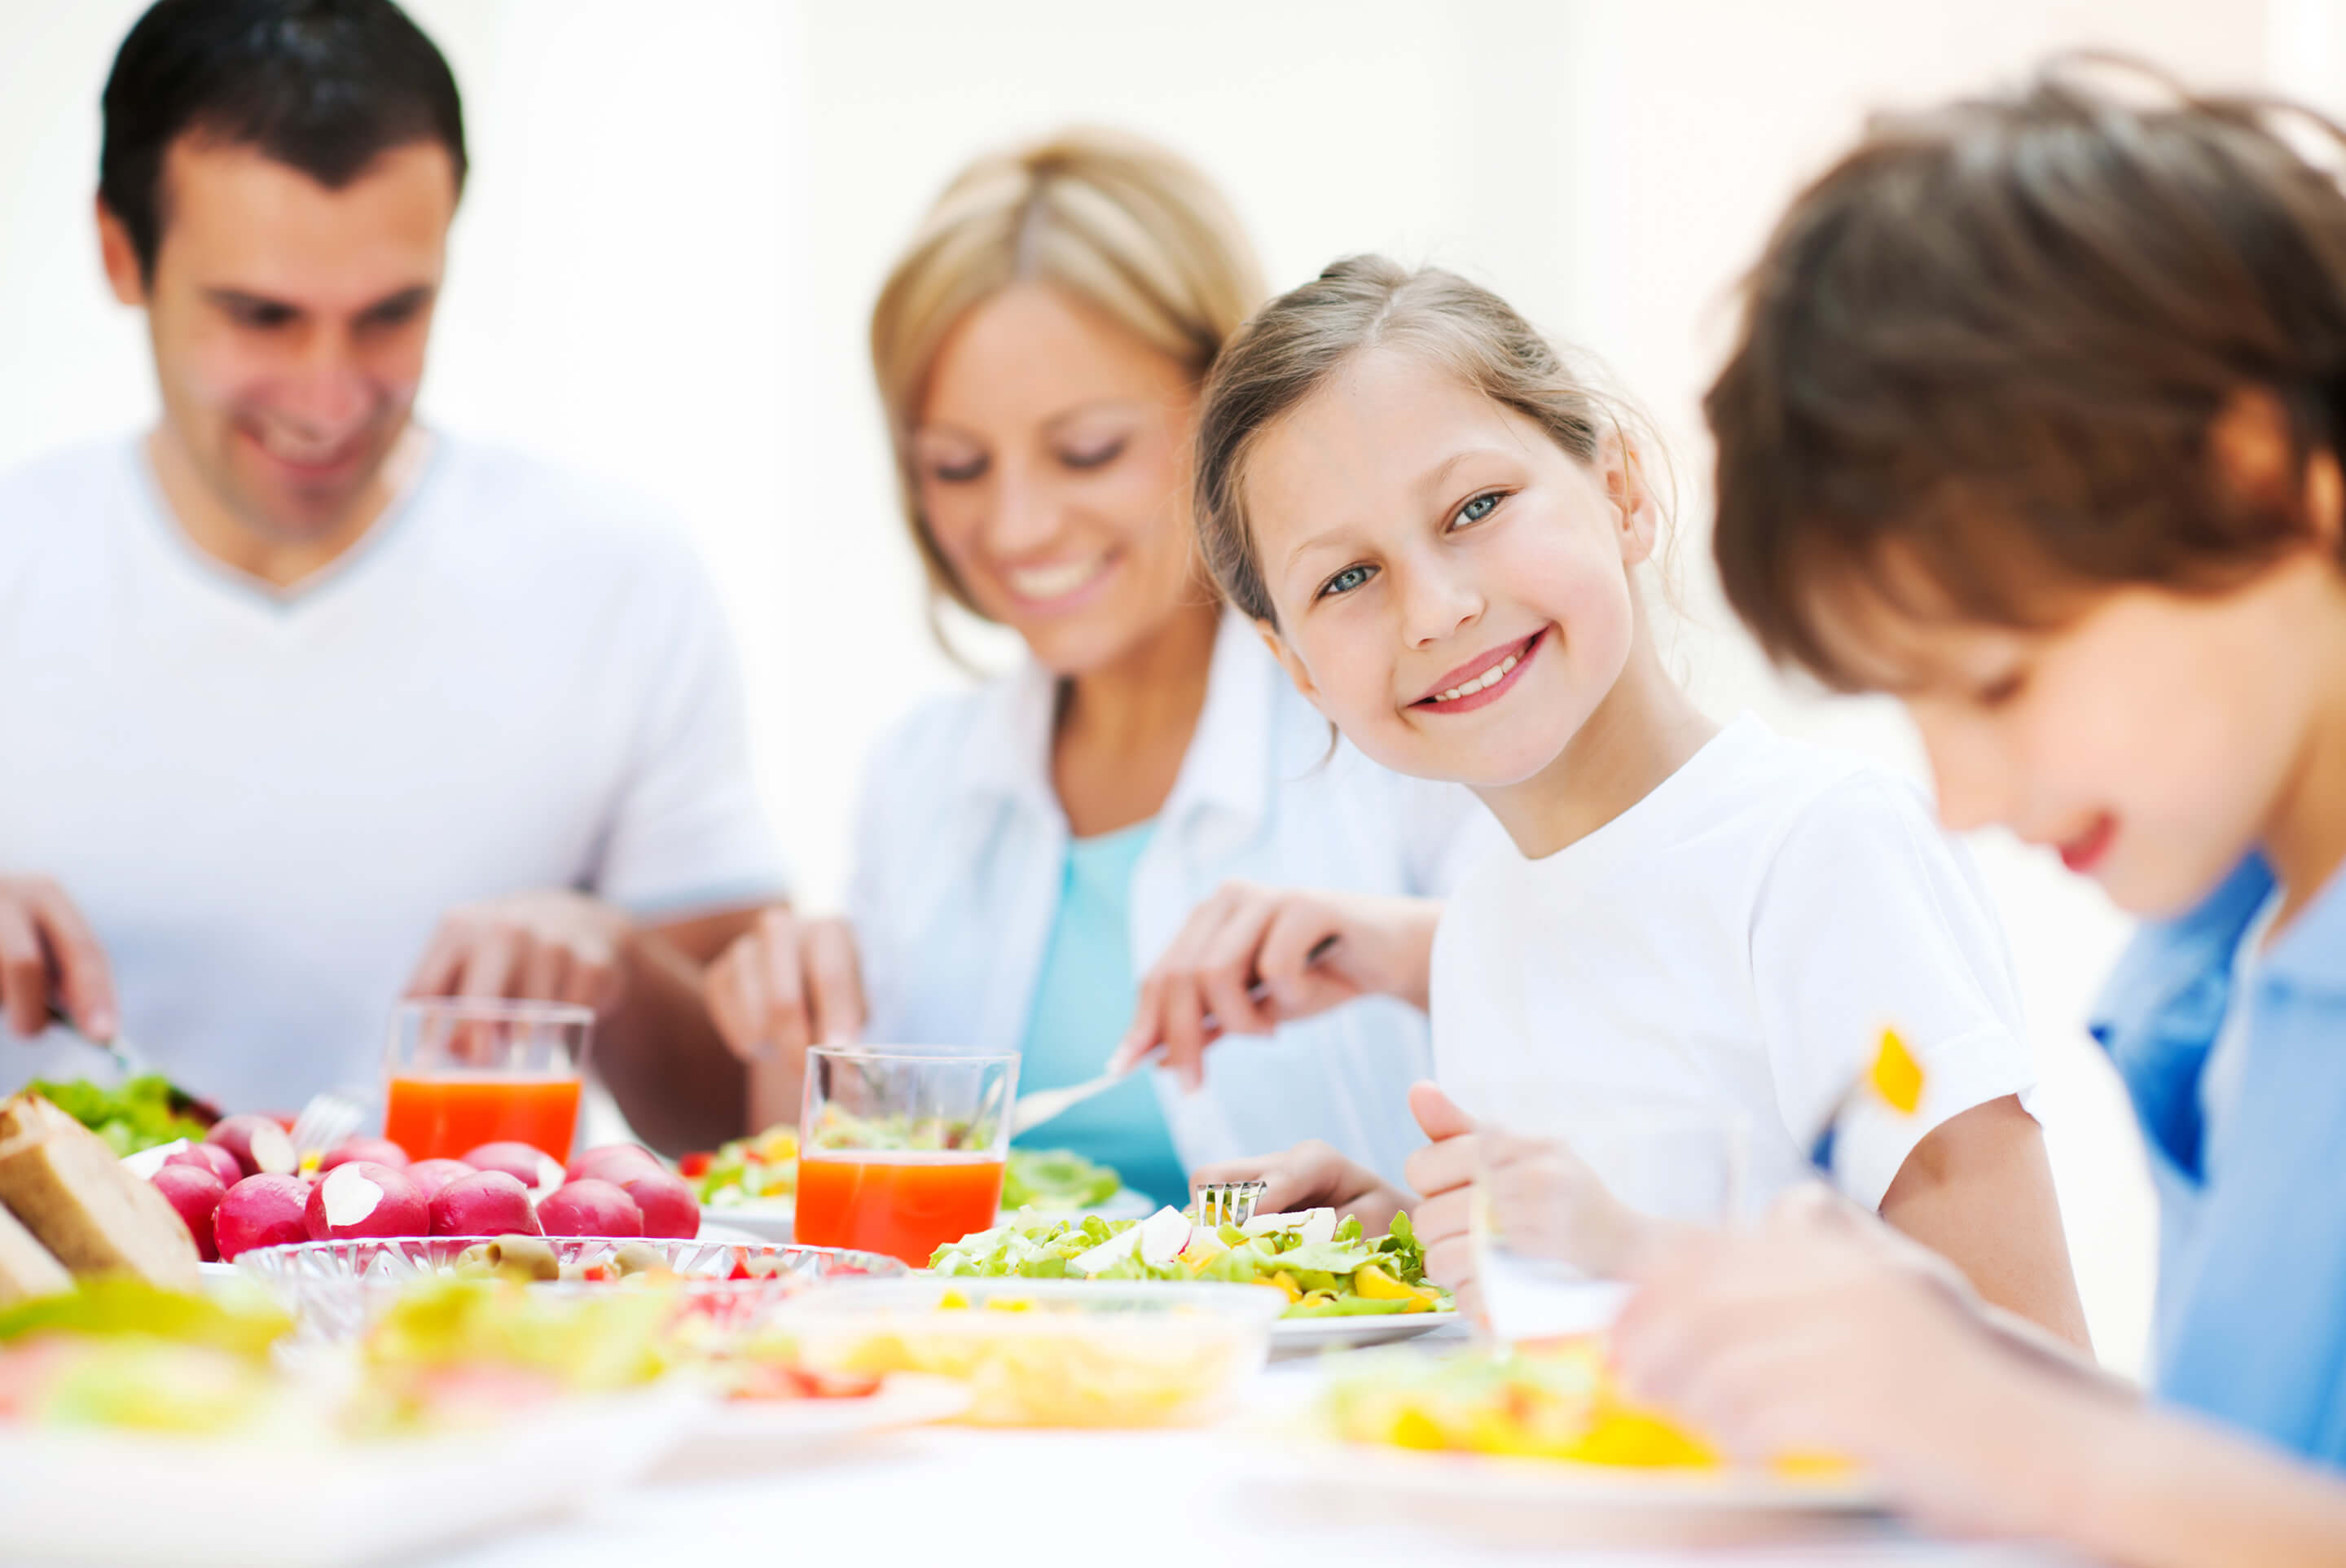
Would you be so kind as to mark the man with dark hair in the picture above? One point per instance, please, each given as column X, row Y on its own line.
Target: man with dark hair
column 311, row 706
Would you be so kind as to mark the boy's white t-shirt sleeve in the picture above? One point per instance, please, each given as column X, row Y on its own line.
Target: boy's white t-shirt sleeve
column 1870, row 918
column 689, row 833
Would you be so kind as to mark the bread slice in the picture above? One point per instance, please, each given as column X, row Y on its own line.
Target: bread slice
column 62, row 1182
column 26, row 1268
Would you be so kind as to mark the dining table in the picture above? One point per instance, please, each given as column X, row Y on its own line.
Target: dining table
column 1247, row 1488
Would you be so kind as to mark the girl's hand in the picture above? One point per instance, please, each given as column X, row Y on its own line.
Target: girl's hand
column 1443, row 1174
column 1311, row 1176
column 1544, row 1199
column 786, row 984
column 1243, row 964
column 1825, row 1333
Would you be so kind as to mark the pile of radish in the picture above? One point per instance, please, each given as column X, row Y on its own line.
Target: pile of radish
column 239, row 1189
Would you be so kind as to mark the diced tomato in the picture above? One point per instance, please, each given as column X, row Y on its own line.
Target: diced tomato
column 695, row 1166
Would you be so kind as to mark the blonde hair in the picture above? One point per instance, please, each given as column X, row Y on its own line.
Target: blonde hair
column 1117, row 223
column 1296, row 341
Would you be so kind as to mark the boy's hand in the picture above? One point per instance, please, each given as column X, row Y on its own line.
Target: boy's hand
column 1313, row 1176
column 1242, row 965
column 1823, row 1332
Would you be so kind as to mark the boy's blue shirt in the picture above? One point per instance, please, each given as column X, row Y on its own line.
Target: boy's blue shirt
column 2251, row 1322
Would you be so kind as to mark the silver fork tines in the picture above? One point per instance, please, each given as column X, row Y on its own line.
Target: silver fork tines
column 329, row 1116
column 1229, row 1202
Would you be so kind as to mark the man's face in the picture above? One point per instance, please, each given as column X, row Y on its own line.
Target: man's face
column 288, row 323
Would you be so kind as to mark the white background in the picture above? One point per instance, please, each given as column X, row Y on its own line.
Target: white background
column 679, row 214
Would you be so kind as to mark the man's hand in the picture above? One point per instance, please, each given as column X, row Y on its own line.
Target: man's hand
column 48, row 954
column 1242, row 965
column 785, row 985
column 537, row 947
column 1311, row 1176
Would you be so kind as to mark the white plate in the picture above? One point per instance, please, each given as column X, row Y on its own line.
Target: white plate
column 770, row 1218
column 327, row 1503
column 1315, row 1333
column 905, row 1400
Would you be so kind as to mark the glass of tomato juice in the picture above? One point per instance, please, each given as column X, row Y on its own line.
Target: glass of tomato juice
column 467, row 1071
column 900, row 1148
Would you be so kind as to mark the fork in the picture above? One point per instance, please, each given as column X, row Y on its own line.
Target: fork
column 326, row 1118
column 1229, row 1202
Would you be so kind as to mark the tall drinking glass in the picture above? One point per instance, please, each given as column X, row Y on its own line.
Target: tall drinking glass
column 901, row 1150
column 467, row 1071
column 1660, row 1160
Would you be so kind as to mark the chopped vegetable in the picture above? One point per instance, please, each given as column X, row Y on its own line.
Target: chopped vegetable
column 1344, row 1276
column 134, row 1114
column 1556, row 1401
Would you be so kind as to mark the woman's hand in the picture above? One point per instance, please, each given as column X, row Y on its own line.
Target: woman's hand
column 1244, row 962
column 787, row 985
column 1311, row 1176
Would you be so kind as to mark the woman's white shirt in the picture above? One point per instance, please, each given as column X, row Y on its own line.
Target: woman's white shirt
column 1735, row 941
column 961, row 844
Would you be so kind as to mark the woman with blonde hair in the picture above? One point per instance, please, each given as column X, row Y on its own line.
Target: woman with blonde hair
column 1026, row 849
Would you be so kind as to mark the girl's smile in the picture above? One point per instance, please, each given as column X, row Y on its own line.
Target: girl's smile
column 1481, row 681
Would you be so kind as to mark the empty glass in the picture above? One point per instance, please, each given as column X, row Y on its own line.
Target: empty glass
column 1548, row 1228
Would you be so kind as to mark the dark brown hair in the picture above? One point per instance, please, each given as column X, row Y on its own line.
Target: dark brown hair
column 1292, row 345
column 1992, row 342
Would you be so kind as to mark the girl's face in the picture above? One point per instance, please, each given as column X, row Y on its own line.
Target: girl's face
column 1050, row 460
column 2153, row 737
column 1452, row 589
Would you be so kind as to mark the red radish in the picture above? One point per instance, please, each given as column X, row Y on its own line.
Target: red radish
column 363, row 1198
column 382, row 1151
column 667, row 1203
column 534, row 1168
column 590, row 1208
column 260, row 1211
column 612, row 1163
column 431, row 1176
column 208, row 1157
column 196, row 1193
column 259, row 1144
column 485, row 1203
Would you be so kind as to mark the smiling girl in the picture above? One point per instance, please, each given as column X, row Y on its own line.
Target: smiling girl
column 1439, row 530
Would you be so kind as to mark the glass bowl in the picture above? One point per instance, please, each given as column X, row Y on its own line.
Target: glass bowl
column 1056, row 1353
column 336, row 1290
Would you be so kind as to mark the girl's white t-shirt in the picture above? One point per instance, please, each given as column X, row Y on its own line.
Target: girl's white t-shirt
column 1736, row 940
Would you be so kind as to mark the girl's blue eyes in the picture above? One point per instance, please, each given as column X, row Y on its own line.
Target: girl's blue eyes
column 1351, row 577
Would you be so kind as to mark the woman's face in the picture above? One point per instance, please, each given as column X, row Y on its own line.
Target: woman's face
column 1051, row 460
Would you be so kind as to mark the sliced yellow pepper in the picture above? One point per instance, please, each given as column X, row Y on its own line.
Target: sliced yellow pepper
column 1376, row 1285
column 1286, row 1282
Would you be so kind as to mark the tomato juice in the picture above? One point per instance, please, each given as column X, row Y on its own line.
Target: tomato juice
column 442, row 1117
column 906, row 1203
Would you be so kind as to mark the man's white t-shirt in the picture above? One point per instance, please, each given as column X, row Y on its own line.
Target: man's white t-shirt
column 264, row 803
column 1737, row 942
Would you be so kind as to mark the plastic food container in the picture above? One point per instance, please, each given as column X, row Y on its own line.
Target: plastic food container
column 336, row 1290
column 1054, row 1353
